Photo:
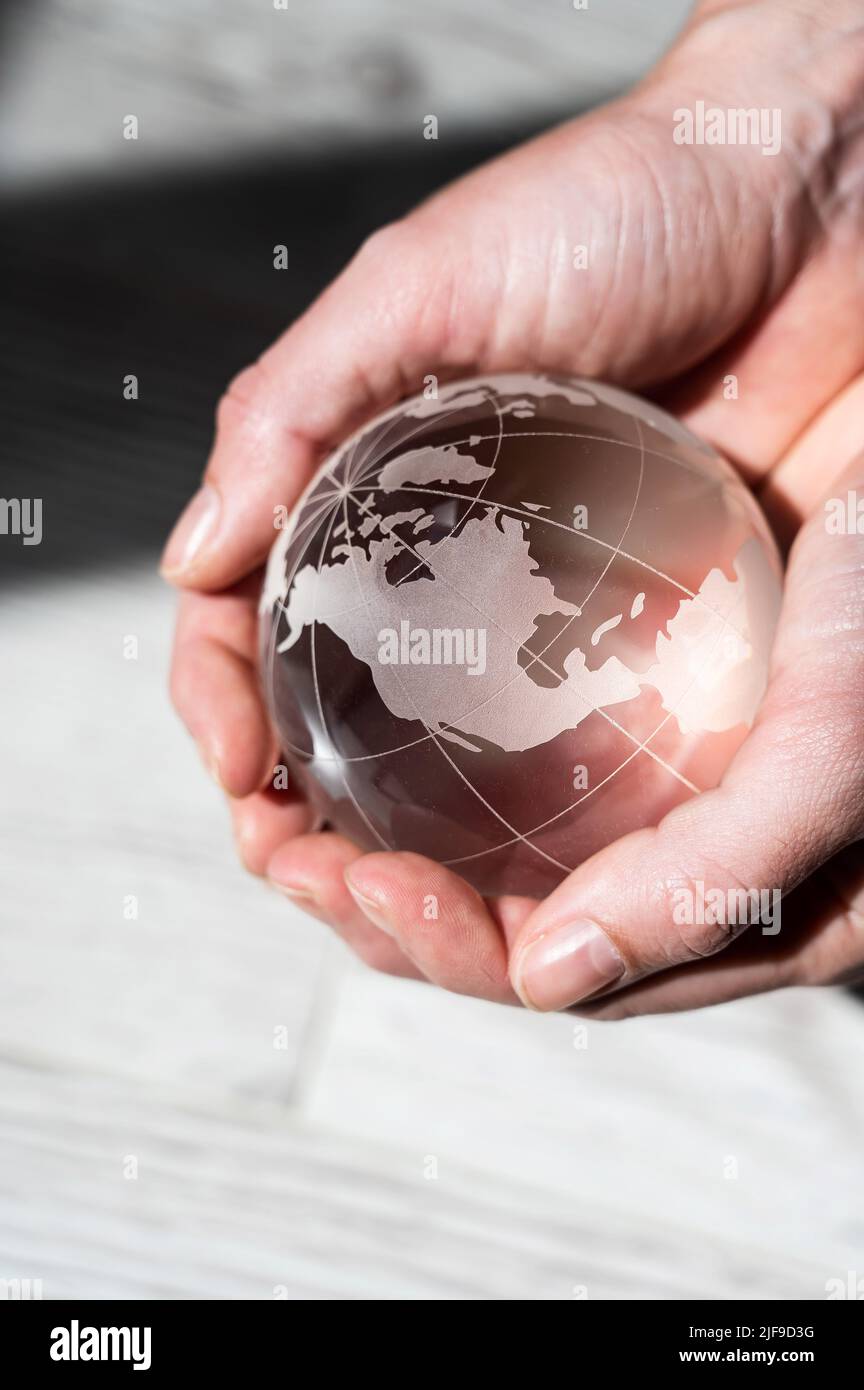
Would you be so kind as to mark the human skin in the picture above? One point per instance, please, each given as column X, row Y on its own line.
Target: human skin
column 704, row 262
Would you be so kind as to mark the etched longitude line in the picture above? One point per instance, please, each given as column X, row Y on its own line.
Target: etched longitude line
column 346, row 612
column 616, row 552
column 436, row 740
column 542, row 434
column 583, row 535
column 642, row 747
column 398, row 417
column 321, row 715
column 464, row 517
column 311, row 511
column 592, row 709
column 581, row 606
column 592, row 439
column 319, row 512
column 349, row 485
column 548, row 521
column 272, row 648
column 344, row 456
column 673, row 772
column 388, row 425
column 451, row 725
column 373, row 452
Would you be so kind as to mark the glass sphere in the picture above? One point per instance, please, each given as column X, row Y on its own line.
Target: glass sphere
column 512, row 620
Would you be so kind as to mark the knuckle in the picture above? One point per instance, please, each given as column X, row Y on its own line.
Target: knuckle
column 706, row 939
column 697, row 906
column 383, row 244
column 408, row 276
column 243, row 398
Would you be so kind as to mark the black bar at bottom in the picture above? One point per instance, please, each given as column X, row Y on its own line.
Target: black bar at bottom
column 159, row 1338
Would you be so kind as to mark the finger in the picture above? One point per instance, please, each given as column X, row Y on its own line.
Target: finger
column 350, row 354
column 822, row 942
column 440, row 923
column 310, row 870
column 755, row 397
column 793, row 796
column 267, row 819
column 824, row 452
column 214, row 688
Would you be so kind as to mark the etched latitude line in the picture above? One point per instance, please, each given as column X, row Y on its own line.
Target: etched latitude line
column 594, row 709
column 436, row 740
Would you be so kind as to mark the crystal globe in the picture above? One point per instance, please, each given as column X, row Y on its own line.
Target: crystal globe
column 512, row 619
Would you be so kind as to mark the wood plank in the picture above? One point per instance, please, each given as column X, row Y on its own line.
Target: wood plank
column 104, row 799
column 242, row 1205
column 648, row 1119
column 247, row 76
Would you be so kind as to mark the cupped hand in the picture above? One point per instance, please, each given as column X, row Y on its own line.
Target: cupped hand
column 727, row 282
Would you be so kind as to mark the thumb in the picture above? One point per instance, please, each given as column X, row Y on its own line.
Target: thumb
column 352, row 353
column 793, row 797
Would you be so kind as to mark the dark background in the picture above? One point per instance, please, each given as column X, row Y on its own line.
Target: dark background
column 169, row 277
column 155, row 257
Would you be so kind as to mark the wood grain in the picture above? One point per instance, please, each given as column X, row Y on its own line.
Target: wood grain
column 220, row 80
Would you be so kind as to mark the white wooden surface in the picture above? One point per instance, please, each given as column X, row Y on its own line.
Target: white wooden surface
column 405, row 1143
column 220, row 78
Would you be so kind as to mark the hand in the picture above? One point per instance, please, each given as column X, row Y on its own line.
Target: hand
column 703, row 262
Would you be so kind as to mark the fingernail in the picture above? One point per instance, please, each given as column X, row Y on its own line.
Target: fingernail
column 192, row 530
column 566, row 965
column 369, row 907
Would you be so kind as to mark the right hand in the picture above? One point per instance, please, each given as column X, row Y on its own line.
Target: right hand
column 703, row 261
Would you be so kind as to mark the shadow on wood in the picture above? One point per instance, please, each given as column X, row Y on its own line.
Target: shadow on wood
column 172, row 280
